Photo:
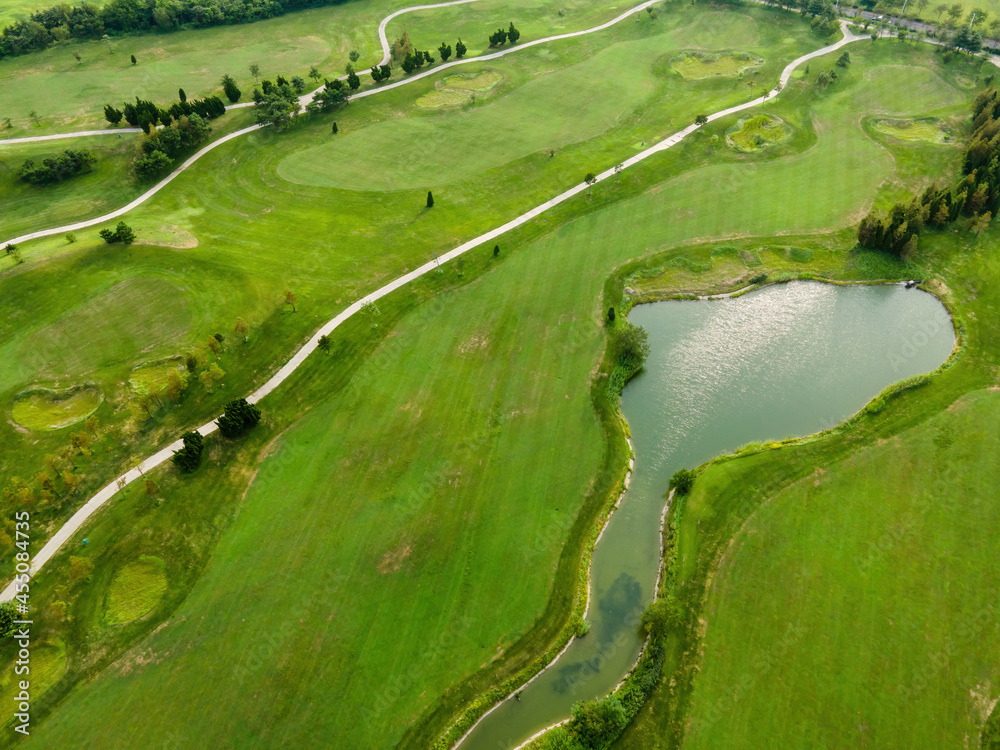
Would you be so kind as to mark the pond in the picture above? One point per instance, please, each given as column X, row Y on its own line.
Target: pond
column 787, row 360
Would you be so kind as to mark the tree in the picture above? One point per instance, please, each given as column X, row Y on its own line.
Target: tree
column 324, row 343
column 13, row 253
column 371, row 309
column 682, row 481
column 430, row 200
column 496, row 251
column 353, row 81
column 333, row 94
column 298, row 84
column 184, row 97
column 402, row 47
column 152, row 490
column 513, row 34
column 380, row 74
column 188, row 458
column 611, row 315
column 122, row 233
column 210, row 376
column 968, row 40
column 240, row 416
column 591, row 180
column 134, row 61
column 230, row 88
column 70, row 481
column 701, row 120
column 354, row 55
column 335, row 129
column 940, row 8
column 662, row 615
column 35, row 118
column 91, row 424
column 277, row 107
column 290, row 298
column 176, row 383
column 981, row 222
column 445, row 51
column 112, row 115
column 954, row 13
column 631, row 347
column 81, row 442
column 8, row 613
column 255, row 71
column 150, row 166
column 460, row 49
column 844, row 60
column 78, row 58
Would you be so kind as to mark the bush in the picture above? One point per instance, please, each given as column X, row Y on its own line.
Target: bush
column 759, row 278
column 122, row 233
column 598, row 723
column 682, row 481
column 188, row 458
column 662, row 615
column 631, row 347
column 240, row 416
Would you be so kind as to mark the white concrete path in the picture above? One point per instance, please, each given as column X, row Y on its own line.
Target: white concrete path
column 92, row 505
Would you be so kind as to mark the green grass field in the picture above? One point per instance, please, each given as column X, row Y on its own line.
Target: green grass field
column 357, row 567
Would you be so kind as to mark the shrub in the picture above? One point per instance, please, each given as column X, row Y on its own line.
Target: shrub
column 68, row 164
column 240, row 416
column 597, row 723
column 189, row 457
column 759, row 278
column 631, row 347
column 8, row 613
column 662, row 615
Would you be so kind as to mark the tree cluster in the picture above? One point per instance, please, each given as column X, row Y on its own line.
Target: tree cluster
column 333, row 94
column 123, row 234
column 68, row 164
column 160, row 148
column 87, row 21
column 240, row 416
column 416, row 60
column 188, row 458
column 976, row 195
column 381, row 73
column 276, row 104
column 501, row 36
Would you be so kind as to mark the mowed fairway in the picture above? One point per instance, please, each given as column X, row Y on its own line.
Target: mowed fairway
column 421, row 498
column 867, row 592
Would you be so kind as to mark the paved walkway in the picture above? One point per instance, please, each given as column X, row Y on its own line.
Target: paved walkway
column 105, row 494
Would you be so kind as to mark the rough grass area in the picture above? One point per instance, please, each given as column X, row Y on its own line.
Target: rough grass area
column 697, row 65
column 751, row 134
column 153, row 375
column 46, row 409
column 929, row 130
column 47, row 665
column 443, row 98
column 135, row 590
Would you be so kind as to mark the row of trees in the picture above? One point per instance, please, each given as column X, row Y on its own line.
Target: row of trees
column 976, row 195
column 145, row 114
column 58, row 168
column 238, row 417
column 86, row 21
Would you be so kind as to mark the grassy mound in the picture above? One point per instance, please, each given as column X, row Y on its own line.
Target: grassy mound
column 695, row 65
column 751, row 134
column 443, row 98
column 46, row 409
column 480, row 82
column 135, row 590
column 153, row 375
column 929, row 130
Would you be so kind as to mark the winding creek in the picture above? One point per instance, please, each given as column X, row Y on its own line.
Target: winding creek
column 791, row 359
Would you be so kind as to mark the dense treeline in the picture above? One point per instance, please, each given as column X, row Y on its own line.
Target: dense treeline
column 68, row 164
column 976, row 195
column 61, row 23
column 145, row 114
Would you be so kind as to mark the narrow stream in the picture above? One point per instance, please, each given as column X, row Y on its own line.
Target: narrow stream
column 786, row 360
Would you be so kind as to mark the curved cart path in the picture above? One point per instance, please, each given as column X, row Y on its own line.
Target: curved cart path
column 304, row 100
column 105, row 494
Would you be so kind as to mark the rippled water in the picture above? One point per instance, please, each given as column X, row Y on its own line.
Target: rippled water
column 791, row 359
